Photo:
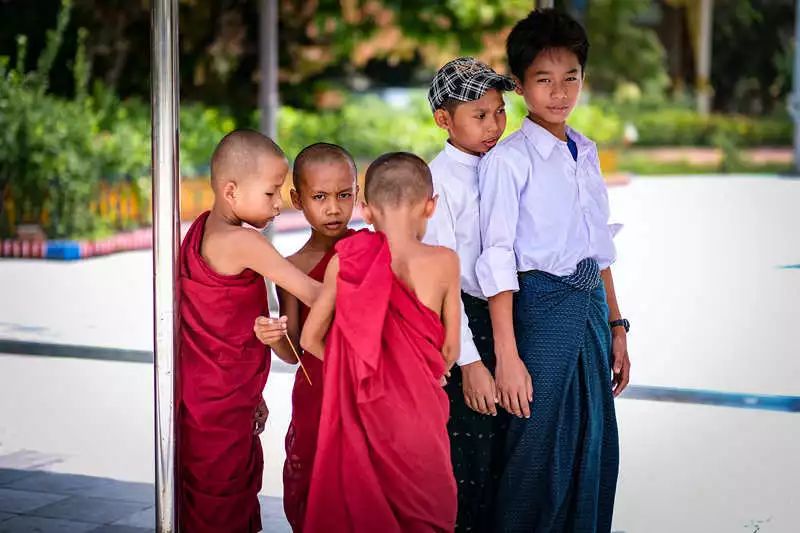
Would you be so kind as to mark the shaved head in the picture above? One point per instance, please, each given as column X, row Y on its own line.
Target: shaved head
column 319, row 153
column 396, row 179
column 240, row 155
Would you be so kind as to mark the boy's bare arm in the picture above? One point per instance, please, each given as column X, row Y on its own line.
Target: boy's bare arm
column 258, row 254
column 451, row 308
column 514, row 385
column 619, row 337
column 312, row 338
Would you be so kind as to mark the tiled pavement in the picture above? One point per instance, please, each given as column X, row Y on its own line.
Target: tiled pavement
column 46, row 502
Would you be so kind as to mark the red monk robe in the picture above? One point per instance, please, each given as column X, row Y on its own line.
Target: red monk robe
column 223, row 370
column 383, row 454
column 301, row 439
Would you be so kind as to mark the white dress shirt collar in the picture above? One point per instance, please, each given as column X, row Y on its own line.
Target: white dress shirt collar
column 544, row 141
column 461, row 157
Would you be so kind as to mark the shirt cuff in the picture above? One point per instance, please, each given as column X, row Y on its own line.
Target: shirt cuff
column 496, row 271
column 469, row 353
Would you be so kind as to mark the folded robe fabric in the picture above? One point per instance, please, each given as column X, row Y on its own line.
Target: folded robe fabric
column 301, row 438
column 223, row 370
column 383, row 454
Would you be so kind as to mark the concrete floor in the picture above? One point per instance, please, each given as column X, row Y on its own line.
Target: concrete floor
column 701, row 275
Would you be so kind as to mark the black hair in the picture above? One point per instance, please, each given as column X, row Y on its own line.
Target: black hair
column 544, row 29
column 451, row 104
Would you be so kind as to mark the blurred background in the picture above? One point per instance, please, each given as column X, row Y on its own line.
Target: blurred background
column 688, row 101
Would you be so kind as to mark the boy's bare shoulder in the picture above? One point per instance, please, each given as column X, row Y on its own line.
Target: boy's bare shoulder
column 441, row 258
column 306, row 258
column 226, row 248
column 244, row 239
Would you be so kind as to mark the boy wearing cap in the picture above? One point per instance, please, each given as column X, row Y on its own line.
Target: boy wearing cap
column 466, row 98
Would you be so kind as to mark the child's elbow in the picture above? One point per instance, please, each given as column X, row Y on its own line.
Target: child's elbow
column 306, row 341
column 312, row 344
column 451, row 354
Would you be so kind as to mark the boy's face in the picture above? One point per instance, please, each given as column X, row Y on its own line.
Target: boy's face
column 475, row 127
column 327, row 197
column 256, row 199
column 552, row 86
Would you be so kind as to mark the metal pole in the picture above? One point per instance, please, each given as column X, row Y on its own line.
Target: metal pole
column 703, row 48
column 794, row 101
column 268, row 94
column 166, row 240
column 268, row 67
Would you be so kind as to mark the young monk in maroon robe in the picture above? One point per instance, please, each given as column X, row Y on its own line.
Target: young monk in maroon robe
column 393, row 307
column 325, row 189
column 223, row 366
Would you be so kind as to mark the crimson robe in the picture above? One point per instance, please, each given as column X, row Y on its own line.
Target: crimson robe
column 383, row 454
column 223, row 370
column 301, row 438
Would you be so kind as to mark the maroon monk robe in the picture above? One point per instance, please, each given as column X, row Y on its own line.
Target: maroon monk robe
column 223, row 370
column 383, row 454
column 301, row 438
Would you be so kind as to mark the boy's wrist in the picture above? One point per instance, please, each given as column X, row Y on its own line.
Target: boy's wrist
column 505, row 350
column 469, row 367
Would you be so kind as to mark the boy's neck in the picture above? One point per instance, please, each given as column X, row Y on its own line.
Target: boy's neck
column 557, row 129
column 222, row 214
column 318, row 241
column 399, row 230
column 460, row 148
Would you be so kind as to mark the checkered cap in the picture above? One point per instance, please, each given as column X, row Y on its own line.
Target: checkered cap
column 465, row 79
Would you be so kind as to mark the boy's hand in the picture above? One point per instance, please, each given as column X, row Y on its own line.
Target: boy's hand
column 443, row 379
column 622, row 363
column 270, row 330
column 480, row 393
column 514, row 385
column 260, row 418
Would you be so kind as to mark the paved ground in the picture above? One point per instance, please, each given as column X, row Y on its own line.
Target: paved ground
column 32, row 500
column 704, row 275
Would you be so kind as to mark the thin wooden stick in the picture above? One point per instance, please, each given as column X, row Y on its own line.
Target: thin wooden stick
column 303, row 368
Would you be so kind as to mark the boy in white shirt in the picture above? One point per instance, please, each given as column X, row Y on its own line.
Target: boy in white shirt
column 466, row 97
column 559, row 337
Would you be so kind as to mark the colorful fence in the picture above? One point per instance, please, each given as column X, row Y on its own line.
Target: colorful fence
column 126, row 207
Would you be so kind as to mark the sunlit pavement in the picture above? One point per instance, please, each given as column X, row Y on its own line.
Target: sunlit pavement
column 704, row 274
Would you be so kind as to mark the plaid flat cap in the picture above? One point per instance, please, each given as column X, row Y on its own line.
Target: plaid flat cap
column 465, row 79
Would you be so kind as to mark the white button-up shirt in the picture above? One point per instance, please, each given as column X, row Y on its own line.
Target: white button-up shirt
column 456, row 225
column 540, row 209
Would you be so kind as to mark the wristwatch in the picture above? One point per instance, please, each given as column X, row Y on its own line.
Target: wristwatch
column 621, row 322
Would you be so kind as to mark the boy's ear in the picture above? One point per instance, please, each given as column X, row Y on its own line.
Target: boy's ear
column 366, row 213
column 518, row 88
column 229, row 191
column 295, row 197
column 442, row 118
column 430, row 206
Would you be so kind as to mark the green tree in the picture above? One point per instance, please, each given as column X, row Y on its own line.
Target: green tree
column 762, row 32
column 623, row 52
